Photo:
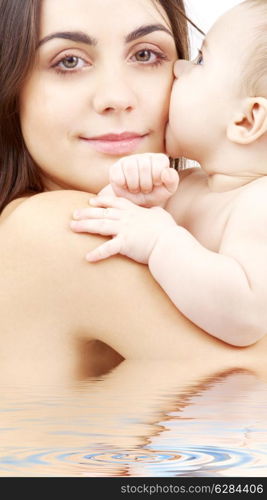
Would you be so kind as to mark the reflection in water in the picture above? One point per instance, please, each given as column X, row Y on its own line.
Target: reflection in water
column 141, row 419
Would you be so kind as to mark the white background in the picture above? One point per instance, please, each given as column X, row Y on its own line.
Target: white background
column 204, row 13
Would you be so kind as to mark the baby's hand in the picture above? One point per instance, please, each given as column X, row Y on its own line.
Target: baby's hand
column 145, row 179
column 135, row 230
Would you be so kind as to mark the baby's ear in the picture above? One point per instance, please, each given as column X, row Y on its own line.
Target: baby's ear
column 250, row 123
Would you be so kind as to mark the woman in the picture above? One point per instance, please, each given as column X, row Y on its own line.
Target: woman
column 77, row 92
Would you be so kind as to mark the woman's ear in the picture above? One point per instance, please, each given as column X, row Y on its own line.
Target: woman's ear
column 250, row 123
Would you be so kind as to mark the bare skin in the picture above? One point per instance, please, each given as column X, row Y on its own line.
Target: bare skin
column 53, row 302
column 210, row 257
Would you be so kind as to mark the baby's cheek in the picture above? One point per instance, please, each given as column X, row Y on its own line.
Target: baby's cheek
column 172, row 148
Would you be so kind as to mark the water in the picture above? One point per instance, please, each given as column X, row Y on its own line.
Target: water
column 140, row 419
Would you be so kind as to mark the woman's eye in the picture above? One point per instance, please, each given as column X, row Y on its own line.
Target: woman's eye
column 199, row 59
column 147, row 56
column 144, row 55
column 69, row 64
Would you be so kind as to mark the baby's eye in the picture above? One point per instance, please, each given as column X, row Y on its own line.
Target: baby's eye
column 199, row 59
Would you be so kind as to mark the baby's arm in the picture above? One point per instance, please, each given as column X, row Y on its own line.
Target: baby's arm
column 145, row 179
column 224, row 292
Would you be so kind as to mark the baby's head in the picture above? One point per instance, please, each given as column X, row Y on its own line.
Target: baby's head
column 254, row 76
column 222, row 94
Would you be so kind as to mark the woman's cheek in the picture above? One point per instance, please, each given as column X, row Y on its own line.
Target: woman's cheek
column 161, row 101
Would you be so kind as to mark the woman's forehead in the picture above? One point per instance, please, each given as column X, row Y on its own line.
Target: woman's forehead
column 100, row 17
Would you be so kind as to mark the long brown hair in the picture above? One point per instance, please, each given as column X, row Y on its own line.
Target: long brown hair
column 19, row 35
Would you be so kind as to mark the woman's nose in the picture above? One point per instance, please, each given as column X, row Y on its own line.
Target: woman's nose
column 114, row 95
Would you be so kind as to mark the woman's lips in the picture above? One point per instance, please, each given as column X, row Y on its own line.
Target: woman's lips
column 115, row 144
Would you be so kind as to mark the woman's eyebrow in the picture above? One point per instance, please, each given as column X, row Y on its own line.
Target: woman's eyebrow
column 74, row 36
column 80, row 36
column 145, row 30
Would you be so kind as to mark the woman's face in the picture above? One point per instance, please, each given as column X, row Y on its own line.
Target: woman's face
column 99, row 89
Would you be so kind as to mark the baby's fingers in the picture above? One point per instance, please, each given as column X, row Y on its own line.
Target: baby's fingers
column 109, row 248
column 170, row 179
column 131, row 173
column 110, row 202
column 105, row 227
column 116, row 175
column 159, row 163
column 97, row 213
column 145, row 173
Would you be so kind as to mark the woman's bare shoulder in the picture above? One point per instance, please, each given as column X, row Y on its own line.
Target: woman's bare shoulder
column 42, row 216
column 39, row 251
column 115, row 300
column 37, row 231
column 45, row 203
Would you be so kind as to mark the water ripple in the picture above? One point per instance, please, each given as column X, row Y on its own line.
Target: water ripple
column 142, row 462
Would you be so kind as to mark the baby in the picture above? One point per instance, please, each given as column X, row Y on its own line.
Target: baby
column 204, row 235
